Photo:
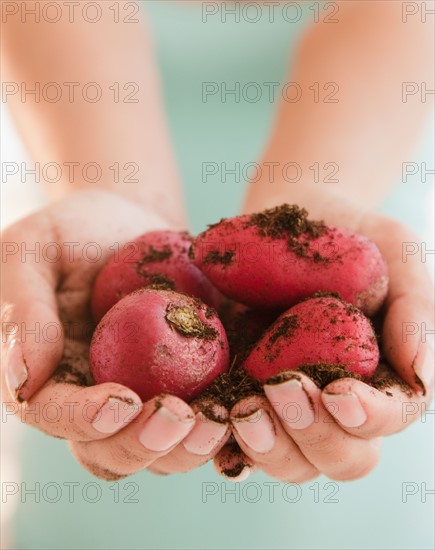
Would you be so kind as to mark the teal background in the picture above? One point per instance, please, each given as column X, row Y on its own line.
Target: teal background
column 190, row 53
column 171, row 512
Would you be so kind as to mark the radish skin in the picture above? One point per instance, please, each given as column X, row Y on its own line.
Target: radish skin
column 157, row 258
column 276, row 258
column 322, row 330
column 157, row 341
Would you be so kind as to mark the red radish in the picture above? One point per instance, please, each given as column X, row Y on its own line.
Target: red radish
column 277, row 257
column 318, row 330
column 158, row 341
column 157, row 258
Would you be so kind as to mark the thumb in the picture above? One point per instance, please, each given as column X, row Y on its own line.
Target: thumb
column 32, row 334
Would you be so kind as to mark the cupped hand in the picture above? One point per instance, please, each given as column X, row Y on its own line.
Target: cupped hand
column 50, row 261
column 299, row 430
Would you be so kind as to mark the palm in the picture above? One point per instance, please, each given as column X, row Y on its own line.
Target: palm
column 84, row 231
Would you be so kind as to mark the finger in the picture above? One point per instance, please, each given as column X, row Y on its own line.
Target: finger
column 81, row 414
column 233, row 464
column 367, row 412
column 341, row 456
column 162, row 424
column 67, row 406
column 209, row 434
column 406, row 334
column 32, row 334
column 409, row 322
column 262, row 438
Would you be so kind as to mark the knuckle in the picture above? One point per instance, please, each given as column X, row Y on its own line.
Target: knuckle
column 130, row 456
column 84, row 455
column 102, row 472
column 322, row 444
column 355, row 469
column 299, row 474
column 302, row 476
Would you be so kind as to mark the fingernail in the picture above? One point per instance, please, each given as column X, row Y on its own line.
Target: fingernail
column 423, row 365
column 16, row 371
column 115, row 414
column 245, row 472
column 233, row 464
column 346, row 408
column 164, row 429
column 205, row 435
column 291, row 402
column 256, row 430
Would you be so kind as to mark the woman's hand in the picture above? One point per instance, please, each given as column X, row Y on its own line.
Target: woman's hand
column 364, row 134
column 301, row 430
column 51, row 259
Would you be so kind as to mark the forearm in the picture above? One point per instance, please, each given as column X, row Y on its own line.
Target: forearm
column 123, row 133
column 366, row 134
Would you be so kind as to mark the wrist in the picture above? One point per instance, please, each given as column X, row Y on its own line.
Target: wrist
column 167, row 214
column 322, row 201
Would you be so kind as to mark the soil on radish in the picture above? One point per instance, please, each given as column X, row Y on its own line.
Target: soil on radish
column 213, row 257
column 284, row 328
column 290, row 222
column 155, row 255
